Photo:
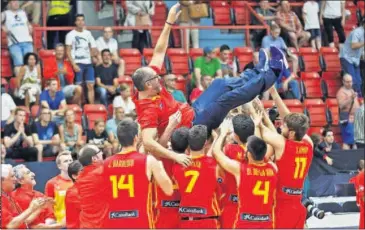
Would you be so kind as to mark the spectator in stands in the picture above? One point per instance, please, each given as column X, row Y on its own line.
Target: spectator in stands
column 206, row 81
column 359, row 127
column 291, row 26
column 57, row 186
column 186, row 20
column 332, row 14
column 100, row 138
column 29, row 79
column 61, row 69
column 33, row 10
column 80, row 47
column 54, row 99
column 106, row 78
column 25, row 193
column 19, row 31
column 311, row 23
column 348, row 104
column 206, row 65
column 124, row 100
column 13, row 217
column 228, row 66
column 18, row 139
column 7, row 108
column 283, row 83
column 45, row 134
column 351, row 54
column 328, row 144
column 112, row 124
column 139, row 14
column 170, row 84
column 59, row 14
column 108, row 42
column 266, row 14
column 70, row 133
column 318, row 152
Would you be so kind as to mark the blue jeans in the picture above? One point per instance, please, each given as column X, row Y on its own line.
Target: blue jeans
column 354, row 71
column 293, row 85
column 19, row 50
column 103, row 94
column 225, row 94
column 86, row 72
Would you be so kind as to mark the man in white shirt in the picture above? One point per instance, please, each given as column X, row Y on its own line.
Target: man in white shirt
column 108, row 42
column 333, row 15
column 81, row 46
column 15, row 24
column 124, row 100
column 311, row 23
column 7, row 109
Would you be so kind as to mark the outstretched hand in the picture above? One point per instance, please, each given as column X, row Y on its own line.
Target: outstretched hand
column 174, row 13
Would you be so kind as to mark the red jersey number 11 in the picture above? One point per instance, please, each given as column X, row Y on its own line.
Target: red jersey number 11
column 300, row 165
column 125, row 182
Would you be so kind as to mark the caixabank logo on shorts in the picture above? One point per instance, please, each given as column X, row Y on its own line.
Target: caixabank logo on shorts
column 123, row 214
column 292, row 191
column 170, row 203
column 193, row 210
column 256, row 218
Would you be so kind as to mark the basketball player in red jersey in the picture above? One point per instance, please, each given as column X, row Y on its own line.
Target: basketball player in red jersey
column 358, row 182
column 167, row 207
column 293, row 153
column 243, row 127
column 198, row 184
column 128, row 176
column 256, row 181
column 72, row 199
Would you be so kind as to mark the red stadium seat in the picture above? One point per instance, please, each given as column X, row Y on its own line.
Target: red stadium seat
column 337, row 134
column 316, row 110
column 221, row 13
column 132, row 58
column 94, row 112
column 110, row 110
column 181, row 83
column 361, row 7
column 244, row 55
column 147, row 54
column 13, row 84
column 27, row 113
column 78, row 112
column 312, row 86
column 310, row 59
column 6, row 66
column 44, row 54
column 179, row 61
column 34, row 111
column 294, row 105
column 349, row 28
column 268, row 103
column 159, row 18
column 176, row 36
column 331, row 59
column 317, row 130
column 4, row 41
column 38, row 41
column 242, row 15
column 127, row 80
column 155, row 34
column 333, row 83
column 352, row 20
column 332, row 106
column 195, row 53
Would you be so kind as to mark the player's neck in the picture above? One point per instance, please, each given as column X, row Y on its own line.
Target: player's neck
column 250, row 161
column 196, row 154
column 129, row 149
column 64, row 175
column 143, row 95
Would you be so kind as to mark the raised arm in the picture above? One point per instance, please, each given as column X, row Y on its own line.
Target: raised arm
column 156, row 169
column 174, row 121
column 163, row 41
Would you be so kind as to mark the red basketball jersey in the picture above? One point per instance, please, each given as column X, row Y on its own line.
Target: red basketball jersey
column 197, row 186
column 129, row 191
column 293, row 169
column 256, row 196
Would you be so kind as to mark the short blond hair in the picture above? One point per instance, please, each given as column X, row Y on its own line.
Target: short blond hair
column 63, row 153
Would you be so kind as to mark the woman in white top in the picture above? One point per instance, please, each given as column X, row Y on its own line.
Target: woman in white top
column 125, row 101
column 29, row 80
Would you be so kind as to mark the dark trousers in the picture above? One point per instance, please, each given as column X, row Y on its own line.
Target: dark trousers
column 328, row 27
column 225, row 94
column 28, row 153
column 140, row 40
column 57, row 20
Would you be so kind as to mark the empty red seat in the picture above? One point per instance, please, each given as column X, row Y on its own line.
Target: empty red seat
column 310, row 59
column 110, row 110
column 181, row 83
column 194, row 53
column 147, row 54
column 312, row 85
column 333, row 83
column 176, row 36
column 221, row 13
column 27, row 113
column 349, row 28
column 155, row 34
column 244, row 55
column 268, row 103
column 294, row 105
column 94, row 112
column 331, row 59
column 132, row 58
column 316, row 110
column 34, row 111
column 159, row 18
column 13, row 84
column 78, row 112
column 317, row 130
column 4, row 41
column 38, row 40
column 6, row 66
column 332, row 106
column 361, row 7
column 44, row 54
column 179, row 61
column 241, row 13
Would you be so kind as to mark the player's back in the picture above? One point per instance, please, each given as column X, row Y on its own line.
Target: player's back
column 197, row 186
column 256, row 195
column 293, row 168
column 129, row 191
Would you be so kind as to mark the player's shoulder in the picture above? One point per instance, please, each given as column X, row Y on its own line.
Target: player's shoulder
column 52, row 181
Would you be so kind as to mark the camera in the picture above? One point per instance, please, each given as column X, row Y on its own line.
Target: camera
column 312, row 209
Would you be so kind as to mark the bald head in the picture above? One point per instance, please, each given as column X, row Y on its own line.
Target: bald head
column 90, row 154
column 347, row 81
